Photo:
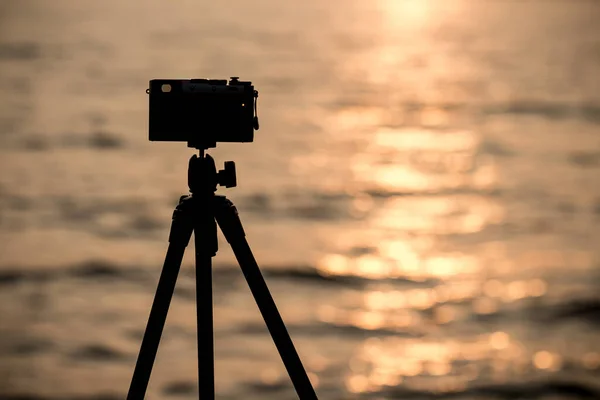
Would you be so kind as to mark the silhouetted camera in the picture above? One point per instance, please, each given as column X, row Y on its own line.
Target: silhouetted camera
column 202, row 112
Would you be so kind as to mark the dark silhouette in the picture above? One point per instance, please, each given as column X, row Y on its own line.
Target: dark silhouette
column 200, row 212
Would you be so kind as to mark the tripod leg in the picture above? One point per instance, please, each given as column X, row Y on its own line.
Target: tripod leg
column 181, row 231
column 228, row 219
column 205, row 239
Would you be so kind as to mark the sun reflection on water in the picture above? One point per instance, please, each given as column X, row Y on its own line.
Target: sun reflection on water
column 425, row 160
column 546, row 360
column 591, row 360
column 427, row 362
column 429, row 243
column 396, row 259
column 453, row 363
column 439, row 215
column 408, row 139
column 406, row 11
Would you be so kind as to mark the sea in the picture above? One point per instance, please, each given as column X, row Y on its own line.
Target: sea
column 422, row 197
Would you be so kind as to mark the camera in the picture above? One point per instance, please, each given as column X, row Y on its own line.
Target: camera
column 202, row 112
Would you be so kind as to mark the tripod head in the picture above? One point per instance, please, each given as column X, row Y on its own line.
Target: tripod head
column 203, row 177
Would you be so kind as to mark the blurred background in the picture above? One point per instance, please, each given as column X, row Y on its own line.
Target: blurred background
column 423, row 196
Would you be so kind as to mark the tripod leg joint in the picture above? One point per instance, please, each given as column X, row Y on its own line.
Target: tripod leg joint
column 182, row 225
column 228, row 219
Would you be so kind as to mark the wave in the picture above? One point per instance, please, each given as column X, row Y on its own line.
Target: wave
column 587, row 111
column 384, row 193
column 42, row 397
column 583, row 308
column 585, row 159
column 98, row 139
column 546, row 109
column 321, row 329
column 134, row 216
column 572, row 389
column 88, row 270
column 309, row 274
column 20, row 51
column 98, row 353
column 101, row 270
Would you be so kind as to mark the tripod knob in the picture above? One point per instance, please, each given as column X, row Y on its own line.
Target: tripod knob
column 226, row 177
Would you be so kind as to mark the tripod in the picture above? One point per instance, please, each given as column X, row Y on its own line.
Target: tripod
column 200, row 212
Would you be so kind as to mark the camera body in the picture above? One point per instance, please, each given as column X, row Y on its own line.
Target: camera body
column 202, row 112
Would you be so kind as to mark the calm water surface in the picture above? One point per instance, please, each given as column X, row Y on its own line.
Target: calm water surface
column 422, row 196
